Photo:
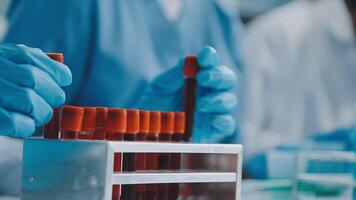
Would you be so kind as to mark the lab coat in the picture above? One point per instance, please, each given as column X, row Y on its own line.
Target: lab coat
column 299, row 75
column 115, row 48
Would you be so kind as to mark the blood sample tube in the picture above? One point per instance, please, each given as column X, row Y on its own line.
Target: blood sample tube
column 56, row 56
column 51, row 129
column 129, row 159
column 175, row 164
column 89, row 124
column 140, row 157
column 115, row 127
column 151, row 190
column 71, row 121
column 167, row 128
column 101, row 115
column 190, row 71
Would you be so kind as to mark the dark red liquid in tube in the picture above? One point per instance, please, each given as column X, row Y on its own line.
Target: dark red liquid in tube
column 167, row 128
column 51, row 130
column 89, row 124
column 151, row 190
column 71, row 122
column 115, row 127
column 101, row 115
column 191, row 69
column 129, row 159
column 140, row 157
column 175, row 162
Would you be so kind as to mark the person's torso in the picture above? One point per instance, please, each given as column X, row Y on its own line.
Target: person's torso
column 315, row 91
column 114, row 48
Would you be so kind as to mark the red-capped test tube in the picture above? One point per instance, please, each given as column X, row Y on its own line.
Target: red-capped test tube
column 51, row 129
column 101, row 115
column 191, row 69
column 129, row 159
column 175, row 162
column 71, row 122
column 115, row 127
column 56, row 56
column 151, row 190
column 140, row 157
column 167, row 128
column 89, row 124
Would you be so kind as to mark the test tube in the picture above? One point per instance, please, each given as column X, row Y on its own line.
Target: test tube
column 115, row 127
column 71, row 121
column 51, row 129
column 129, row 159
column 151, row 190
column 167, row 128
column 89, row 124
column 191, row 68
column 56, row 56
column 101, row 115
column 175, row 162
column 140, row 157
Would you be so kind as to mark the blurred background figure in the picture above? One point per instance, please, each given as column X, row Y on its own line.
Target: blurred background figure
column 300, row 69
column 252, row 8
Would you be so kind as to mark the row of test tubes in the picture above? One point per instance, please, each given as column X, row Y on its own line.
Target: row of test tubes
column 116, row 124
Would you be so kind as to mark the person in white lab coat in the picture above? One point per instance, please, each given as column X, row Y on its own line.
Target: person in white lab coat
column 300, row 73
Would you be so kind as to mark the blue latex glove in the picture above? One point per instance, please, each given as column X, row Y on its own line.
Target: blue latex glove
column 214, row 102
column 30, row 86
column 339, row 140
column 345, row 136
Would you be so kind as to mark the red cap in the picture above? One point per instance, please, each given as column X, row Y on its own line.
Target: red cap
column 191, row 66
column 179, row 122
column 144, row 121
column 155, row 122
column 116, row 121
column 89, row 119
column 167, row 122
column 71, row 118
column 51, row 129
column 101, row 115
column 133, row 121
column 56, row 56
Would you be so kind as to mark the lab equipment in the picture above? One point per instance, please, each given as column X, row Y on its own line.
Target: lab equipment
column 325, row 175
column 71, row 122
column 167, row 128
column 30, row 86
column 89, row 124
column 190, row 70
column 90, row 176
column 51, row 129
column 162, row 128
column 140, row 157
column 101, row 117
column 151, row 190
column 215, row 100
column 175, row 162
column 129, row 159
column 115, row 127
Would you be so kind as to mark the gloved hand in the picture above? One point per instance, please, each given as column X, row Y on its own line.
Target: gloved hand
column 346, row 137
column 214, row 100
column 30, row 86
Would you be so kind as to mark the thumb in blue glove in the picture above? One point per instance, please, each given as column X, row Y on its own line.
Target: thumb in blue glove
column 214, row 99
column 30, row 87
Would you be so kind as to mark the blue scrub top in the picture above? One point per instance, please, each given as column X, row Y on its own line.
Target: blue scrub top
column 114, row 48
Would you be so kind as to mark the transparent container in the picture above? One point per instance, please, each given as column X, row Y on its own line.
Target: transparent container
column 325, row 175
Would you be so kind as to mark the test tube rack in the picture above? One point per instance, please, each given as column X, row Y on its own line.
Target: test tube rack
column 81, row 169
